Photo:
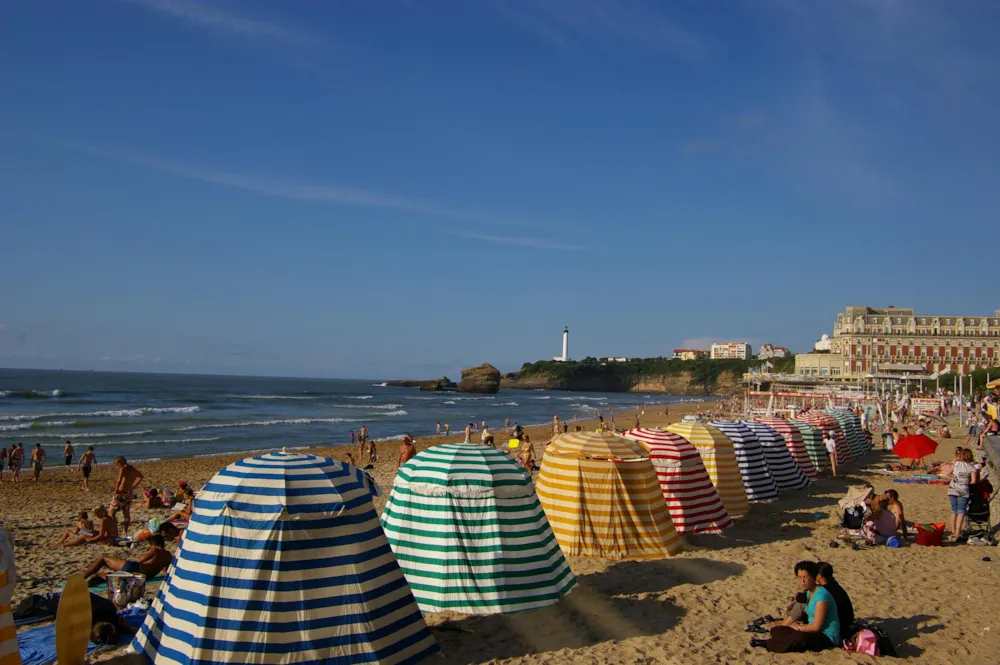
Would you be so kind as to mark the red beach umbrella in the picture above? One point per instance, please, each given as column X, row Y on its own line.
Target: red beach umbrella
column 915, row 446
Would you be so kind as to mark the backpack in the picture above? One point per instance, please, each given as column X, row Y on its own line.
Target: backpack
column 864, row 641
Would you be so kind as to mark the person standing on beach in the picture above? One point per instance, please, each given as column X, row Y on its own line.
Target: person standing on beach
column 506, row 423
column 68, row 455
column 16, row 458
column 437, row 432
column 352, row 437
column 407, row 451
column 831, row 450
column 555, row 425
column 37, row 462
column 447, row 429
column 128, row 479
column 468, row 433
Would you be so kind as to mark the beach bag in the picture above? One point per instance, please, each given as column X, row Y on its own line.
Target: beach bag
column 864, row 641
column 930, row 535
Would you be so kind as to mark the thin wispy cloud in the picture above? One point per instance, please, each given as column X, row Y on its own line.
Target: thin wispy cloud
column 520, row 241
column 331, row 194
column 203, row 15
column 565, row 23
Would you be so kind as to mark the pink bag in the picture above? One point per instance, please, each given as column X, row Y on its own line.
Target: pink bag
column 864, row 641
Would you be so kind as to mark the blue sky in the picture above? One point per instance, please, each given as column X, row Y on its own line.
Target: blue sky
column 383, row 189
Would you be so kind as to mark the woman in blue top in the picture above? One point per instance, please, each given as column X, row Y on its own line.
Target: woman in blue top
column 823, row 628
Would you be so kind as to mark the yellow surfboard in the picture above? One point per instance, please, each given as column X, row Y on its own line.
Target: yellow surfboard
column 73, row 622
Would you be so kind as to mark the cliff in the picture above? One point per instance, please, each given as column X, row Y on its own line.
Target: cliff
column 683, row 383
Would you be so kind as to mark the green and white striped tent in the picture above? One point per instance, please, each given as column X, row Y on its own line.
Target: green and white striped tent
column 469, row 533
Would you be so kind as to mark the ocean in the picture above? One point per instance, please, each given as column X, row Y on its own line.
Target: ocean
column 154, row 416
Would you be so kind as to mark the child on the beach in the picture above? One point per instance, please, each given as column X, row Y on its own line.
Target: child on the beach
column 153, row 499
column 84, row 527
column 107, row 531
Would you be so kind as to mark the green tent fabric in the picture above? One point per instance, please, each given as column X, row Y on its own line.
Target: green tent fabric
column 469, row 533
column 812, row 437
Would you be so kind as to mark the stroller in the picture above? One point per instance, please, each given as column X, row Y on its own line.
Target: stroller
column 853, row 508
column 977, row 514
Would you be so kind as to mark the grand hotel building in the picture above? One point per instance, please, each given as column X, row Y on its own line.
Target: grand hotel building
column 871, row 339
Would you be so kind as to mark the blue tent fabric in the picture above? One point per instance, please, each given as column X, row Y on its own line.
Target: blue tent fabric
column 757, row 479
column 787, row 473
column 284, row 560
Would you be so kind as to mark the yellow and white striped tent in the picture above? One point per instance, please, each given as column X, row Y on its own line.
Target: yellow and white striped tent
column 719, row 456
column 602, row 498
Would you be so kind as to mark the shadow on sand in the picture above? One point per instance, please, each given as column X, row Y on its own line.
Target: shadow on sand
column 616, row 604
column 904, row 629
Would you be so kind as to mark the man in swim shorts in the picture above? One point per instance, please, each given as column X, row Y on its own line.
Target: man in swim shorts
column 153, row 562
column 37, row 461
column 87, row 462
column 68, row 455
column 128, row 479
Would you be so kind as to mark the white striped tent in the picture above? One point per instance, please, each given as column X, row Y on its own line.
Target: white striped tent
column 812, row 439
column 786, row 472
column 757, row 478
column 851, row 424
column 695, row 506
column 826, row 423
column 796, row 445
column 466, row 527
column 602, row 498
column 284, row 561
column 719, row 456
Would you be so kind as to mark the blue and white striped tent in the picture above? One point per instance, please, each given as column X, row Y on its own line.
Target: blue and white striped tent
column 787, row 473
column 284, row 561
column 469, row 533
column 757, row 478
column 851, row 424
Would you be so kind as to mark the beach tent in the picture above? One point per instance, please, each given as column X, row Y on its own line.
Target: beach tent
column 786, row 472
column 825, row 423
column 812, row 439
column 757, row 478
column 284, row 561
column 855, row 435
column 601, row 495
column 719, row 456
column 9, row 653
column 466, row 527
column 695, row 506
column 796, row 444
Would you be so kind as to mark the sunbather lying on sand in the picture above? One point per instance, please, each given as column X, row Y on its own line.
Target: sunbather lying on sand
column 153, row 562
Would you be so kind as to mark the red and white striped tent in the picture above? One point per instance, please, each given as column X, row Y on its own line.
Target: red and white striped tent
column 796, row 446
column 827, row 423
column 695, row 506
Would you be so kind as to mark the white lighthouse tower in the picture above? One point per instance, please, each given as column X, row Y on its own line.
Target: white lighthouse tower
column 565, row 354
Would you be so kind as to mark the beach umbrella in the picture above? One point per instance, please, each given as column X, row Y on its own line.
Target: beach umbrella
column 757, row 478
column 284, row 561
column 995, row 383
column 786, row 472
column 719, row 456
column 826, row 423
column 796, row 445
column 695, row 506
column 469, row 533
column 602, row 498
column 915, row 446
column 851, row 425
column 812, row 439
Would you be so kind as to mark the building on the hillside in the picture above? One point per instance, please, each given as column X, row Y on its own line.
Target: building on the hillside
column 690, row 354
column 823, row 344
column 731, row 351
column 870, row 337
column 768, row 351
column 616, row 359
column 827, row 365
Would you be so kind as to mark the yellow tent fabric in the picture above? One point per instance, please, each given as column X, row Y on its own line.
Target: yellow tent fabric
column 602, row 498
column 719, row 456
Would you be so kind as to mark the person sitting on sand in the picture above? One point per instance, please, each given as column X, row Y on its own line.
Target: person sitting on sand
column 179, row 492
column 84, row 527
column 897, row 510
column 107, row 531
column 882, row 522
column 845, row 608
column 153, row 499
column 168, row 530
column 407, row 450
column 823, row 628
column 349, row 459
column 128, row 479
column 153, row 562
column 184, row 514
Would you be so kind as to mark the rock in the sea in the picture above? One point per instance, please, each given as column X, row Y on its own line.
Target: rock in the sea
column 482, row 379
column 444, row 383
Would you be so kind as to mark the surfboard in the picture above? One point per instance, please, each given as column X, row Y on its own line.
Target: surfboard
column 73, row 622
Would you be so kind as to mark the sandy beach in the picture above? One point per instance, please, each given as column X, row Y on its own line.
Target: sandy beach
column 938, row 604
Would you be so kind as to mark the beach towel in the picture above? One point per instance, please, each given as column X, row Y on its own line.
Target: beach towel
column 38, row 645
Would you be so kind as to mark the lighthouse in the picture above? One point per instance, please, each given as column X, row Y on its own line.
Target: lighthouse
column 565, row 354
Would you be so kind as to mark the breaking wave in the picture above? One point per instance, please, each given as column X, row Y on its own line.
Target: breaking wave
column 117, row 413
column 267, row 423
